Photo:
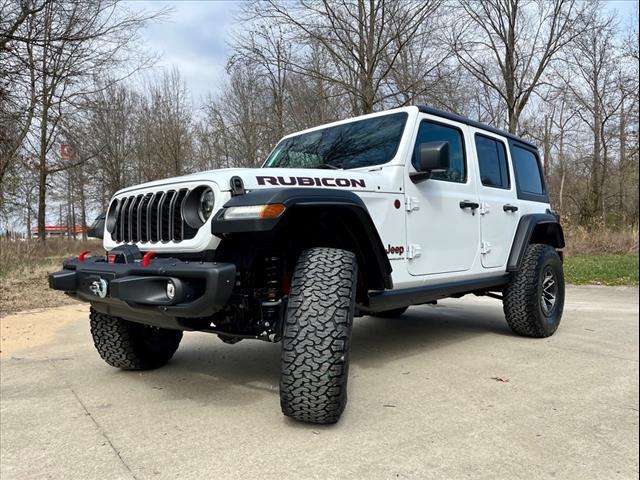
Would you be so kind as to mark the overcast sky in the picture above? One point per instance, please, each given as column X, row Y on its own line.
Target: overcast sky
column 194, row 37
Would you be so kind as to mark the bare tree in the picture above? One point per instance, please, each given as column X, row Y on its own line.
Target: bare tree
column 593, row 82
column 164, row 128
column 13, row 14
column 507, row 45
column 64, row 47
column 363, row 40
column 266, row 48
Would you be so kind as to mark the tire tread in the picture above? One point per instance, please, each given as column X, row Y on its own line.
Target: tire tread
column 119, row 343
column 521, row 299
column 317, row 335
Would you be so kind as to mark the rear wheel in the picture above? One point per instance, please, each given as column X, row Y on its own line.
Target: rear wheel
column 534, row 299
column 317, row 334
column 132, row 346
column 396, row 312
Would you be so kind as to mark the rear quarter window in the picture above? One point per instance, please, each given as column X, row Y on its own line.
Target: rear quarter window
column 527, row 170
column 492, row 161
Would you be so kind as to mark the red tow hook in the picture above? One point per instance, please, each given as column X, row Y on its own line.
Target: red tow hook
column 82, row 255
column 146, row 260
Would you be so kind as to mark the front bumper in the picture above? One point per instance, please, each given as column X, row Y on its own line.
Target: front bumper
column 134, row 290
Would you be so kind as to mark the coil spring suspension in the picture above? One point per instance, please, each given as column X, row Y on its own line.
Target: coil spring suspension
column 272, row 303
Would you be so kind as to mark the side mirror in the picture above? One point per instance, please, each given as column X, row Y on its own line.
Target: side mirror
column 97, row 228
column 434, row 157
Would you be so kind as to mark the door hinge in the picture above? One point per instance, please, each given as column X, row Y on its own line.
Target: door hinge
column 414, row 250
column 484, row 208
column 485, row 247
column 411, row 204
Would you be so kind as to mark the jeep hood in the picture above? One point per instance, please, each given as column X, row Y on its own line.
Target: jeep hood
column 256, row 178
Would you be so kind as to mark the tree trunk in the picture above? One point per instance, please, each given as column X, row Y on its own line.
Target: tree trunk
column 622, row 163
column 547, row 146
column 83, row 208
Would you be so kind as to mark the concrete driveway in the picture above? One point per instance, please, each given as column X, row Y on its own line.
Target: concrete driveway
column 443, row 392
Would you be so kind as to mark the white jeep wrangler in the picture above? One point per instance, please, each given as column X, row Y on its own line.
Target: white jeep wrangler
column 365, row 216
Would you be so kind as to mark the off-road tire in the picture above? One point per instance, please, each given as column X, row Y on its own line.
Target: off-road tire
column 132, row 346
column 396, row 312
column 317, row 335
column 523, row 297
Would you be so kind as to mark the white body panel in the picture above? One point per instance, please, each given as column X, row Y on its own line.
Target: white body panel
column 429, row 238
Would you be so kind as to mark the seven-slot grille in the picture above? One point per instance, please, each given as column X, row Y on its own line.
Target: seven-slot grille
column 154, row 217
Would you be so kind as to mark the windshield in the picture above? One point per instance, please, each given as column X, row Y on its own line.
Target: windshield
column 362, row 143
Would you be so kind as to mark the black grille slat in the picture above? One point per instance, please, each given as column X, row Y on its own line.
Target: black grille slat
column 142, row 218
column 177, row 215
column 165, row 216
column 153, row 224
column 116, row 232
column 124, row 223
column 152, row 217
column 159, row 216
column 172, row 206
column 133, row 219
column 143, row 212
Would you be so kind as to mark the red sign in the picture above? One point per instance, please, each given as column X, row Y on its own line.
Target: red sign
column 67, row 152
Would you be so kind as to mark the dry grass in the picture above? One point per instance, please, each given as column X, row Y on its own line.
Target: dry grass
column 600, row 241
column 29, row 291
column 24, row 256
column 24, row 266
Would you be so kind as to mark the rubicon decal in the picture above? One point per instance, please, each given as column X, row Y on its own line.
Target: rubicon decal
column 312, row 181
column 394, row 250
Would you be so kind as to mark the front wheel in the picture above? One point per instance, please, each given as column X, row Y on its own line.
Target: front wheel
column 132, row 346
column 317, row 334
column 534, row 299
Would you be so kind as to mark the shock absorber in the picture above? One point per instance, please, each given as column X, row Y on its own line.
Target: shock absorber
column 272, row 303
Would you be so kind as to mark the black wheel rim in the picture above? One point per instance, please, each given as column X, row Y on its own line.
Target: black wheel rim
column 549, row 295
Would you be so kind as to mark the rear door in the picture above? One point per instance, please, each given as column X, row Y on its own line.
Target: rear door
column 499, row 212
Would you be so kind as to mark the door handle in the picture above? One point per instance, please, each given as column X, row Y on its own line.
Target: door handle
column 509, row 208
column 467, row 204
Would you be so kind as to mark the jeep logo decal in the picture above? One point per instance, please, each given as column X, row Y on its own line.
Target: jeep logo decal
column 394, row 250
column 311, row 181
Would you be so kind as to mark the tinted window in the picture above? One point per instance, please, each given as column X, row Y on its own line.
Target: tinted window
column 356, row 144
column 525, row 164
column 492, row 159
column 436, row 132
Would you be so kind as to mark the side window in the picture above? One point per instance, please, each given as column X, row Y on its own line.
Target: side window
column 527, row 168
column 492, row 160
column 437, row 132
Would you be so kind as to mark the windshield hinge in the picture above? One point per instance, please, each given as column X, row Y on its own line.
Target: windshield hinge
column 411, row 204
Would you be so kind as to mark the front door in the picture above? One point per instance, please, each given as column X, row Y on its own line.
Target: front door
column 499, row 213
column 443, row 224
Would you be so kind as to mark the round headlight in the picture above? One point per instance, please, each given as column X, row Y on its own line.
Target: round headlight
column 198, row 206
column 111, row 216
column 205, row 205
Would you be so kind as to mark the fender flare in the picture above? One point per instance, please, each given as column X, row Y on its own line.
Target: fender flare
column 297, row 198
column 536, row 228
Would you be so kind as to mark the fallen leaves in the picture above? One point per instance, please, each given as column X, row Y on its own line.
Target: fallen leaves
column 500, row 379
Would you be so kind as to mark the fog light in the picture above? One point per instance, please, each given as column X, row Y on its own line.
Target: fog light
column 171, row 290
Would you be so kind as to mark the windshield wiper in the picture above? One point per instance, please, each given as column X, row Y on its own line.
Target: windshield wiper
column 329, row 166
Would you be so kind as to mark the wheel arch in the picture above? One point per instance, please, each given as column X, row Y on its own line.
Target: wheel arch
column 534, row 228
column 315, row 217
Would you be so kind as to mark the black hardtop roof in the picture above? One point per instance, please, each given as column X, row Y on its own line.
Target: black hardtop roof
column 458, row 118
